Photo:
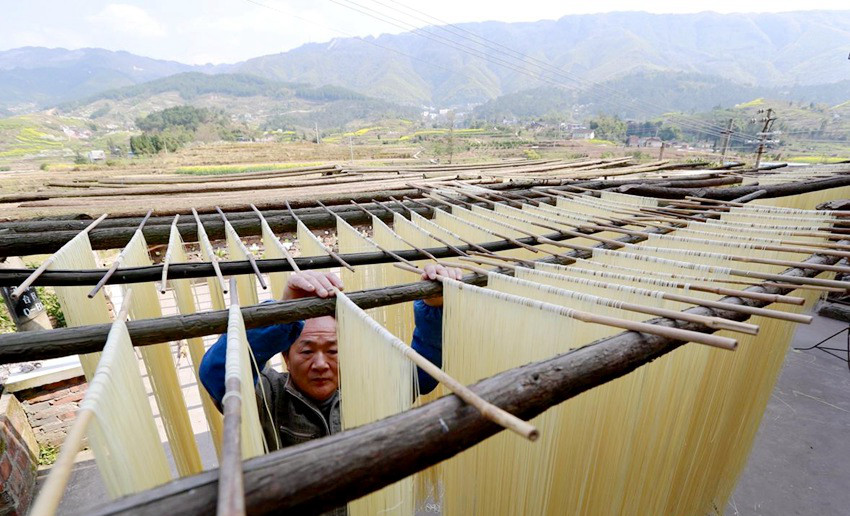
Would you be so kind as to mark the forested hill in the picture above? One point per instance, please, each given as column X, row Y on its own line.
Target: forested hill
column 462, row 64
column 260, row 102
column 649, row 94
column 476, row 62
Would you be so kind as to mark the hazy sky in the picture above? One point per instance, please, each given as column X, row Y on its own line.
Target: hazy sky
column 223, row 31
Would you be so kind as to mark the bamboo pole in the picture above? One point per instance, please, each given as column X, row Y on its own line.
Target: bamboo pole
column 231, row 490
column 20, row 289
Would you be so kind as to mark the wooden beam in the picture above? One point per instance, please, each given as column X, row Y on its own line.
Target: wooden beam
column 734, row 192
column 10, row 277
column 20, row 347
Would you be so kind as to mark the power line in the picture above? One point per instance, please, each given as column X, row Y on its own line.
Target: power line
column 694, row 123
column 697, row 126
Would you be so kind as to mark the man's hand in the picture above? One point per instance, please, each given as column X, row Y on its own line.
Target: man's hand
column 310, row 284
column 431, row 273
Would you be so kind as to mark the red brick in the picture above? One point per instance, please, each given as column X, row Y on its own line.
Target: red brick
column 32, row 408
column 71, row 398
column 23, row 460
column 15, row 483
column 23, row 506
column 47, row 396
column 68, row 415
column 5, row 468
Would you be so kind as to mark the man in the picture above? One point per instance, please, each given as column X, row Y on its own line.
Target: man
column 303, row 404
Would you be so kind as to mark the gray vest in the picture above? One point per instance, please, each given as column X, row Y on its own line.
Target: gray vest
column 295, row 418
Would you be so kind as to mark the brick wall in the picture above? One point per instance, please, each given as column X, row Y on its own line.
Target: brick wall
column 51, row 408
column 17, row 459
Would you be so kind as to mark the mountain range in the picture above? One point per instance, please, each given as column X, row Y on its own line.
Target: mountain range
column 474, row 63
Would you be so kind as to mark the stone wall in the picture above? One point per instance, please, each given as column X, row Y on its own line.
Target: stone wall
column 18, row 459
column 51, row 408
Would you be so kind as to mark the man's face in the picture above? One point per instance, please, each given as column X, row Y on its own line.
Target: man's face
column 312, row 359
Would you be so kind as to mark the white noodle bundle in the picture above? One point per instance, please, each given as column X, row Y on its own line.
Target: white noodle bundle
column 122, row 434
column 245, row 283
column 184, row 295
column 238, row 365
column 78, row 309
column 161, row 367
column 274, row 250
column 376, row 381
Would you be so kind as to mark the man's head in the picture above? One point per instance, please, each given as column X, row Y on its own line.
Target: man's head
column 312, row 359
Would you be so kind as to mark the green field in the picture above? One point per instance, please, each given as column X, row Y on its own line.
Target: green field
column 216, row 170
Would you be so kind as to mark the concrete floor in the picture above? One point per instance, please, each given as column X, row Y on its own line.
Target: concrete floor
column 800, row 462
column 798, row 466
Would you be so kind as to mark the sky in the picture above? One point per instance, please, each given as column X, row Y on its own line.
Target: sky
column 228, row 31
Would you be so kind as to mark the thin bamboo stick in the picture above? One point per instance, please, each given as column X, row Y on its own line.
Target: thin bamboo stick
column 765, row 312
column 481, row 228
column 19, row 290
column 664, row 331
column 488, row 410
column 715, row 323
column 330, row 251
column 844, row 285
column 167, row 260
column 280, row 246
column 117, row 261
column 837, row 213
column 205, row 241
column 467, row 242
column 248, row 253
column 396, row 235
column 435, row 237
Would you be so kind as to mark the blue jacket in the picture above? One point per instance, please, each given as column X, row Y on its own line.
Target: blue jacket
column 268, row 341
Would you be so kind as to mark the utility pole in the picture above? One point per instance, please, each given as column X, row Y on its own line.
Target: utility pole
column 451, row 116
column 768, row 122
column 318, row 138
column 727, row 136
column 351, row 148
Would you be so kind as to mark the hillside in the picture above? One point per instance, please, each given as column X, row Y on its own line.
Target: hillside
column 649, row 94
column 757, row 49
column 34, row 77
column 261, row 103
column 252, row 103
column 464, row 64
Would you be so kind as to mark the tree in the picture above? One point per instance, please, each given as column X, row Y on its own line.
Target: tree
column 608, row 127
